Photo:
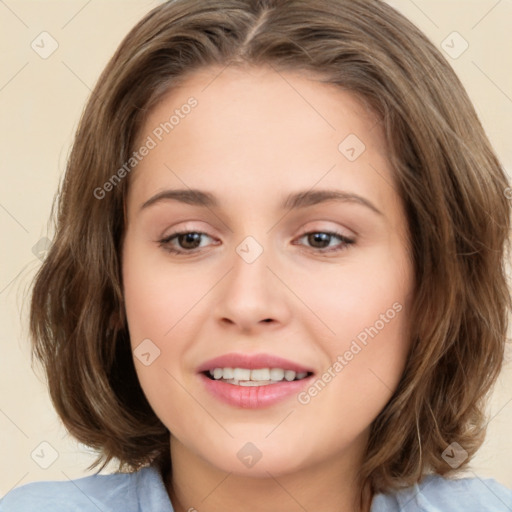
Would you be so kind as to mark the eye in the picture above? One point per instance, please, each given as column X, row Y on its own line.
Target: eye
column 321, row 241
column 188, row 242
column 184, row 242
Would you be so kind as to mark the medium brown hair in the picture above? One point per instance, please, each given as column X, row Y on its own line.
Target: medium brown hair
column 451, row 183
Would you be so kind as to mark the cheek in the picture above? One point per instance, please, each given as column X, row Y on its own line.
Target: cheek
column 156, row 310
column 365, row 290
column 152, row 308
column 365, row 304
column 155, row 297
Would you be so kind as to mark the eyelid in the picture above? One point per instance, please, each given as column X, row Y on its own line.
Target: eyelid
column 189, row 227
column 345, row 242
column 337, row 229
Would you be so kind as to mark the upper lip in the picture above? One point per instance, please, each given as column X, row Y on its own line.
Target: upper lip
column 252, row 362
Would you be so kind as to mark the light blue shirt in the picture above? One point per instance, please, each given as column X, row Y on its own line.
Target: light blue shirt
column 144, row 491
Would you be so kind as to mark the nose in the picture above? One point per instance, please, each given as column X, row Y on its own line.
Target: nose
column 252, row 296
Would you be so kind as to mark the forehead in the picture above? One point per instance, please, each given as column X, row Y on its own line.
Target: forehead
column 245, row 98
column 257, row 128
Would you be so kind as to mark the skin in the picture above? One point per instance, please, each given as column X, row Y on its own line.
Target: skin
column 255, row 136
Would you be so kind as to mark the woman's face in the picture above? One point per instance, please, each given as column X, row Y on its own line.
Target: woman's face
column 296, row 264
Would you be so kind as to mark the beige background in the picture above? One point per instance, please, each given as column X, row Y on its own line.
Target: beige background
column 41, row 101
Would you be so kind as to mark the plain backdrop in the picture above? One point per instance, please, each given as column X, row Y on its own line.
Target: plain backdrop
column 41, row 99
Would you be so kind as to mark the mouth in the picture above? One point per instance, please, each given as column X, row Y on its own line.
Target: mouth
column 255, row 377
column 253, row 381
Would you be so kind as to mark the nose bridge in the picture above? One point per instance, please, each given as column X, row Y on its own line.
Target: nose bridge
column 250, row 275
column 251, row 292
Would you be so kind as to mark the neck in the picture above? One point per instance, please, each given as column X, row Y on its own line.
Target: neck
column 194, row 485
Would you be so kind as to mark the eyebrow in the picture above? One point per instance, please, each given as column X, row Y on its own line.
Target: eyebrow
column 294, row 201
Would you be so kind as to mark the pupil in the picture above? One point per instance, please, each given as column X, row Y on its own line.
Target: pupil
column 318, row 237
column 190, row 238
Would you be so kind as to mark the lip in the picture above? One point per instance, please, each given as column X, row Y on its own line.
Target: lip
column 253, row 397
column 252, row 362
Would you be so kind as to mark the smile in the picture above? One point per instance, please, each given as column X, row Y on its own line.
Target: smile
column 256, row 377
column 253, row 381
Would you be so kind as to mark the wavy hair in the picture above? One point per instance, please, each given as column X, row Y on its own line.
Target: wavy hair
column 451, row 183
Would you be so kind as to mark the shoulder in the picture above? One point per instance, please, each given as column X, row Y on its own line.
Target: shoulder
column 118, row 491
column 438, row 494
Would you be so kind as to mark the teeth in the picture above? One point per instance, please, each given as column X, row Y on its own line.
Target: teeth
column 251, row 382
column 276, row 374
column 261, row 374
column 289, row 375
column 257, row 377
column 241, row 374
column 227, row 373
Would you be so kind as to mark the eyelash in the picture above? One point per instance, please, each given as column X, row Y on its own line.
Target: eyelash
column 346, row 242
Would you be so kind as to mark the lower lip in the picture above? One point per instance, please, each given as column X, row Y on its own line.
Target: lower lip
column 253, row 397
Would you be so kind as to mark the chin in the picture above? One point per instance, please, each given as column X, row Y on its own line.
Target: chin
column 259, row 458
